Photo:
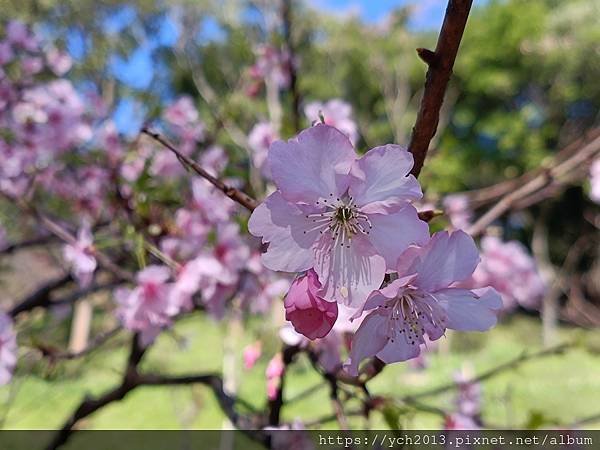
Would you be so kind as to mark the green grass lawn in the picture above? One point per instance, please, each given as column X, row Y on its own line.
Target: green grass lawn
column 557, row 389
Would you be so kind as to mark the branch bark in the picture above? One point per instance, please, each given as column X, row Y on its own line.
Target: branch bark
column 133, row 379
column 286, row 15
column 41, row 296
column 440, row 63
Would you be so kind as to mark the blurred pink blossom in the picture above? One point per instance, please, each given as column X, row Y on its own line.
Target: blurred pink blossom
column 59, row 61
column 261, row 137
column 457, row 209
column 336, row 113
column 272, row 65
column 595, row 181
column 273, row 373
column 508, row 268
column 148, row 307
column 8, row 349
column 252, row 353
column 80, row 256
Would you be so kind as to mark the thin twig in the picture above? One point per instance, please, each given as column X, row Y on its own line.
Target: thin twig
column 96, row 343
column 543, row 179
column 32, row 242
column 440, row 65
column 524, row 357
column 236, row 195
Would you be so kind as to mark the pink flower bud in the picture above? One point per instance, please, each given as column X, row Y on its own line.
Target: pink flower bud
column 310, row 314
column 251, row 354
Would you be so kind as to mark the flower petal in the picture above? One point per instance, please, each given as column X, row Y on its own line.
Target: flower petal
column 399, row 350
column 447, row 258
column 348, row 275
column 283, row 226
column 380, row 180
column 467, row 312
column 393, row 233
column 368, row 340
column 313, row 165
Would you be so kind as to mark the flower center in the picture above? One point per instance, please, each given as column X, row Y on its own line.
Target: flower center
column 341, row 218
column 410, row 316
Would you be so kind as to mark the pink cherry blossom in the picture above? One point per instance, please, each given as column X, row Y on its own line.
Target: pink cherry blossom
column 336, row 113
column 273, row 373
column 109, row 141
column 508, row 268
column 423, row 301
column 252, row 353
column 8, row 349
column 59, row 61
column 458, row 211
column 468, row 396
column 6, row 53
column 148, row 307
column 310, row 315
column 595, row 181
column 80, row 256
column 344, row 216
column 214, row 160
column 19, row 35
column 260, row 287
column 185, row 123
column 272, row 65
column 262, row 135
column 457, row 421
column 201, row 273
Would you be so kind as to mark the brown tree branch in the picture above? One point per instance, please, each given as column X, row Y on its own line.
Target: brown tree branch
column 53, row 354
column 286, row 15
column 133, row 379
column 41, row 296
column 236, row 195
column 440, row 65
column 557, row 172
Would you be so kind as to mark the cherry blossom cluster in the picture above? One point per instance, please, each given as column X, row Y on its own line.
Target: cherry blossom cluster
column 272, row 65
column 348, row 225
column 466, row 415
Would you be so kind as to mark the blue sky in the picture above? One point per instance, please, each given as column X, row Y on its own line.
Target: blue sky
column 138, row 70
column 427, row 13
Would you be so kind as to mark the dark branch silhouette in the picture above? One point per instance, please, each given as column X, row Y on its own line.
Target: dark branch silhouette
column 440, row 63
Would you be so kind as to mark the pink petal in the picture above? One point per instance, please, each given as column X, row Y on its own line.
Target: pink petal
column 368, row 340
column 348, row 275
column 313, row 165
column 380, row 180
column 466, row 312
column 447, row 258
column 392, row 233
column 399, row 350
column 282, row 225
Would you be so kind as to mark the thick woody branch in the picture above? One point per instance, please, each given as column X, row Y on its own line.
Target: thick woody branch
column 133, row 379
column 275, row 405
column 440, row 63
